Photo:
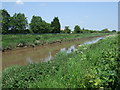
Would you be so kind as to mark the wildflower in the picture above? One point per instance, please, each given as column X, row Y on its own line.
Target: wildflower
column 53, row 67
column 85, row 48
column 81, row 52
column 76, row 49
column 81, row 59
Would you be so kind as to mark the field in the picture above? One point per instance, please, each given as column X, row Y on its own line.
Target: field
column 12, row 41
column 89, row 66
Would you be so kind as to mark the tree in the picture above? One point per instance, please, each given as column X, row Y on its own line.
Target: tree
column 55, row 24
column 77, row 29
column 67, row 30
column 18, row 23
column 105, row 30
column 35, row 24
column 38, row 25
column 4, row 21
column 45, row 27
column 113, row 30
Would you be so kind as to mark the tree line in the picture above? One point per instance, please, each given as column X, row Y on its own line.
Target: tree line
column 18, row 24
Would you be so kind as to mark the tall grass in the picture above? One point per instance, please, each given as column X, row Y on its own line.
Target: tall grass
column 90, row 66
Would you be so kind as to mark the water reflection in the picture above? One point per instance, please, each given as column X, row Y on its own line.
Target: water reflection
column 62, row 49
column 72, row 48
column 69, row 50
column 29, row 60
column 49, row 57
column 66, row 50
column 93, row 41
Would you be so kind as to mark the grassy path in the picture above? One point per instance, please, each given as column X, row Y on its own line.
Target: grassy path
column 90, row 66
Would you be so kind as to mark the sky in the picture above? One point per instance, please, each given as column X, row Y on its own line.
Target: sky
column 88, row 15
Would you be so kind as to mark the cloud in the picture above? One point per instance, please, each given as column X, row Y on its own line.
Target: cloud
column 19, row 2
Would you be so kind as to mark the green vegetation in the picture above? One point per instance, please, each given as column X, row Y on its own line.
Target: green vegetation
column 105, row 30
column 55, row 24
column 38, row 25
column 77, row 29
column 13, row 41
column 18, row 24
column 66, row 30
column 4, row 21
column 90, row 66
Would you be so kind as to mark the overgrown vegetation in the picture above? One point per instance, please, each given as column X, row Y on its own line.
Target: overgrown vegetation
column 13, row 41
column 90, row 66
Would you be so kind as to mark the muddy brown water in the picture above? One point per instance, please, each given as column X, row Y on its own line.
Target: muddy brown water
column 44, row 53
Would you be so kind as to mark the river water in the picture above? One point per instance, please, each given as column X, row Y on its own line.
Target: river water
column 42, row 53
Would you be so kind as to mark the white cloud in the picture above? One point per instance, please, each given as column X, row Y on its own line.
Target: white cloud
column 19, row 2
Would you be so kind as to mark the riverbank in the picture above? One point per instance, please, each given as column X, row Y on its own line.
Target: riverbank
column 24, row 56
column 12, row 42
column 89, row 66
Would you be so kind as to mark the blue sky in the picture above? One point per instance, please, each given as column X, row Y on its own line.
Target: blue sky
column 89, row 15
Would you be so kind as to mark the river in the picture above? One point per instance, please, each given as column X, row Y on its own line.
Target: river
column 42, row 53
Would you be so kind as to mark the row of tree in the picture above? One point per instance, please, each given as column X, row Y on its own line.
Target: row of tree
column 77, row 29
column 18, row 24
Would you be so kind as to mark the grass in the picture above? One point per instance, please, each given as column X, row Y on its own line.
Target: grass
column 90, row 66
column 12, row 41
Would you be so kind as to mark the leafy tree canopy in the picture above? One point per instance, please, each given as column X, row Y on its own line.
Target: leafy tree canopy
column 55, row 24
column 18, row 23
column 67, row 30
column 4, row 20
column 77, row 29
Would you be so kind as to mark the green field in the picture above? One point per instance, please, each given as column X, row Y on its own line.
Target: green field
column 12, row 41
column 90, row 66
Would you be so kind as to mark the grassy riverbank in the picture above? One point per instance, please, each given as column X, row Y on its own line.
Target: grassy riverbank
column 90, row 66
column 13, row 41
